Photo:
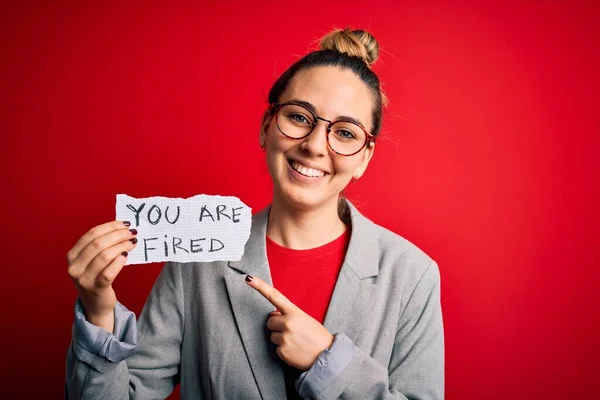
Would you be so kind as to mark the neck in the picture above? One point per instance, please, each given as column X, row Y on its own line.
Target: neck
column 302, row 229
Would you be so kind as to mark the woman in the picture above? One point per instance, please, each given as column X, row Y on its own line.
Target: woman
column 356, row 313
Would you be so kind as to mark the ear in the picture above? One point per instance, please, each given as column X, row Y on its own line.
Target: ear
column 362, row 167
column 264, row 126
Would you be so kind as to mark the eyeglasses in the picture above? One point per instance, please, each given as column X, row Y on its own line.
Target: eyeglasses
column 296, row 121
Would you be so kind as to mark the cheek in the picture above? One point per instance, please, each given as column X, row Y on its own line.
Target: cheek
column 279, row 143
column 345, row 165
column 274, row 137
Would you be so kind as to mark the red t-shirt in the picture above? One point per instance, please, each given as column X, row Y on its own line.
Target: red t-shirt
column 307, row 277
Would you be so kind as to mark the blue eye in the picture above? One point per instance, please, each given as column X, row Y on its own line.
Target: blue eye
column 346, row 134
column 299, row 118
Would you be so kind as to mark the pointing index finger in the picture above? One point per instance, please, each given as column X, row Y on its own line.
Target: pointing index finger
column 274, row 296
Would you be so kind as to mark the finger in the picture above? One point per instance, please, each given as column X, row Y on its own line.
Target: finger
column 109, row 274
column 277, row 338
column 97, row 246
column 93, row 234
column 275, row 313
column 281, row 354
column 102, row 261
column 273, row 295
column 276, row 323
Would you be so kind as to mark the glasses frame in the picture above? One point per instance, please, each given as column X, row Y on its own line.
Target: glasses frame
column 274, row 110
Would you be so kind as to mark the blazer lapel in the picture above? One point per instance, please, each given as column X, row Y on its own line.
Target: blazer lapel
column 251, row 311
column 353, row 295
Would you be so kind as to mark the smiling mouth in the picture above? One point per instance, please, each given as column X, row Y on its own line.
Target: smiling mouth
column 306, row 171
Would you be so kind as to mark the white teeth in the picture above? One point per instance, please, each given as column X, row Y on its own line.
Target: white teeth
column 310, row 172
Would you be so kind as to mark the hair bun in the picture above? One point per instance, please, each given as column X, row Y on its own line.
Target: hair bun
column 356, row 43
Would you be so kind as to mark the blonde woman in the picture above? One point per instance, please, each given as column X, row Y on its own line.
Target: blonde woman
column 324, row 303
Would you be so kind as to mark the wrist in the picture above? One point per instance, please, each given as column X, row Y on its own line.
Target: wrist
column 106, row 322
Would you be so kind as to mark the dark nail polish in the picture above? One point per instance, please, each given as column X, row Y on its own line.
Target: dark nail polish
column 124, row 254
column 249, row 278
column 133, row 231
column 134, row 240
column 126, row 223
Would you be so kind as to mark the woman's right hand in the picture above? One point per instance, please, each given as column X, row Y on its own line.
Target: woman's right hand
column 94, row 263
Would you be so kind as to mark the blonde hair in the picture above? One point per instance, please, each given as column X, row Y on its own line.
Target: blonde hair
column 357, row 43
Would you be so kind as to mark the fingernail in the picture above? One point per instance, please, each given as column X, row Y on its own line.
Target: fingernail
column 124, row 254
column 126, row 223
column 249, row 278
column 133, row 231
column 134, row 240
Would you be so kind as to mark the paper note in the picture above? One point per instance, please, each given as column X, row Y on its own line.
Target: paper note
column 199, row 228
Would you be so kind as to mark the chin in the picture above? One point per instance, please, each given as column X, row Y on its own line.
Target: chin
column 302, row 201
column 303, row 198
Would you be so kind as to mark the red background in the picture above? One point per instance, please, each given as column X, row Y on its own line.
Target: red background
column 488, row 161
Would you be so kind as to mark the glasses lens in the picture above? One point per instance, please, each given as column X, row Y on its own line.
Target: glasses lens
column 346, row 138
column 295, row 121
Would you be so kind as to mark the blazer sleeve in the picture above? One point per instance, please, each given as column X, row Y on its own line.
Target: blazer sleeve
column 116, row 346
column 152, row 370
column 416, row 367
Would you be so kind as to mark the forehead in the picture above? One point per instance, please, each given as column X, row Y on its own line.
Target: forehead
column 333, row 91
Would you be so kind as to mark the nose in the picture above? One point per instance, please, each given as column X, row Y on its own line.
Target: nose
column 315, row 144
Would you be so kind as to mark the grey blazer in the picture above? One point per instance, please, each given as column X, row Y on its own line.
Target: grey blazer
column 204, row 326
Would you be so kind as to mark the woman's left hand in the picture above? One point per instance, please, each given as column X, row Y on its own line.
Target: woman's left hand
column 300, row 338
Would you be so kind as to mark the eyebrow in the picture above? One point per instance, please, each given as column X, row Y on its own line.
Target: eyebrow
column 312, row 108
